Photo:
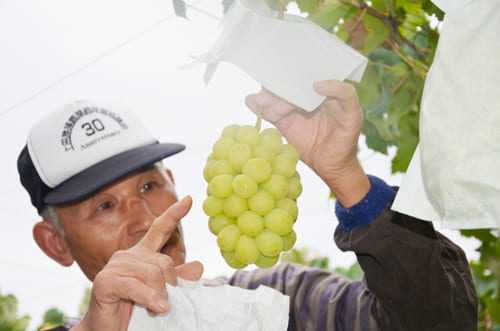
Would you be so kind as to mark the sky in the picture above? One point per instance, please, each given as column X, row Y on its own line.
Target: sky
column 54, row 52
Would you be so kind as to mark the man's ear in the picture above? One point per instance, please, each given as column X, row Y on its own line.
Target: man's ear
column 170, row 175
column 52, row 243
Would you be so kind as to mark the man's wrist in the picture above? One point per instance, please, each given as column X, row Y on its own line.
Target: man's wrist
column 368, row 208
column 350, row 186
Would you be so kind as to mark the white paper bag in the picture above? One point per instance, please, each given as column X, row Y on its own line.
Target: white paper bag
column 286, row 56
column 460, row 122
column 208, row 308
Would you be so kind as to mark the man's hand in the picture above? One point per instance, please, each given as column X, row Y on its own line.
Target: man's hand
column 138, row 275
column 327, row 138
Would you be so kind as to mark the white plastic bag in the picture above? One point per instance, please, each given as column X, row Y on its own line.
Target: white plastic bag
column 460, row 121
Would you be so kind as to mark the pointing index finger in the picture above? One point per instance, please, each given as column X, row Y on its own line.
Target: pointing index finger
column 163, row 227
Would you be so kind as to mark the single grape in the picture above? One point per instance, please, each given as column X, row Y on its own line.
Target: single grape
column 266, row 261
column 232, row 260
column 258, row 169
column 219, row 222
column 207, row 171
column 239, row 155
column 245, row 186
column 261, row 203
column 248, row 134
column 250, row 223
column 284, row 165
column 276, row 185
column 269, row 243
column 294, row 188
column 246, row 250
column 221, row 148
column 272, row 131
column 221, row 167
column 228, row 237
column 279, row 221
column 263, row 152
column 272, row 141
column 289, row 206
column 221, row 186
column 213, row 206
column 230, row 131
column 291, row 151
column 289, row 240
column 235, row 205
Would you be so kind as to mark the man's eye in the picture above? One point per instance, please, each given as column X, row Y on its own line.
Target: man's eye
column 105, row 206
column 147, row 187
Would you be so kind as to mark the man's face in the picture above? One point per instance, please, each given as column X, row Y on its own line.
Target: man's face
column 117, row 217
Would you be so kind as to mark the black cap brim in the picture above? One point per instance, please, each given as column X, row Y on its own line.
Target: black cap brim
column 106, row 172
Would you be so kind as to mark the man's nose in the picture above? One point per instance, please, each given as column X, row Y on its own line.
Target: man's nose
column 140, row 216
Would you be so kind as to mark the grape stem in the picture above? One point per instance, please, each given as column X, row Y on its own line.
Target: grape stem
column 259, row 119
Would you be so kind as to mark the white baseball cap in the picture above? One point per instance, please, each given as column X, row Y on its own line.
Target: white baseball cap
column 83, row 147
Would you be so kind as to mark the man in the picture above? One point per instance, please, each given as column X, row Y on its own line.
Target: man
column 92, row 173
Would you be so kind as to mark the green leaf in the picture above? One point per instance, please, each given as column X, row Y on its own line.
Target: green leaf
column 494, row 310
column 407, row 143
column 380, row 106
column 412, row 6
column 368, row 89
column 378, row 32
column 354, row 271
column 430, row 8
column 180, row 8
column 328, row 14
column 307, row 6
column 484, row 280
column 483, row 235
column 386, row 56
column 373, row 139
column 54, row 316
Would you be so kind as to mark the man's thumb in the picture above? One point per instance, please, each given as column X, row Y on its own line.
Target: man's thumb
column 190, row 271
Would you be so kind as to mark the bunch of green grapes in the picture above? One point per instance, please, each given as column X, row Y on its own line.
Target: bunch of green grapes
column 252, row 191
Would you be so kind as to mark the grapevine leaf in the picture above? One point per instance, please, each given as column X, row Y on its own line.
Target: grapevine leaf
column 328, row 14
column 373, row 139
column 378, row 32
column 180, row 8
column 387, row 56
column 367, row 90
column 354, row 272
column 412, row 6
column 486, row 284
column 411, row 24
column 380, row 106
column 407, row 142
column 494, row 310
column 307, row 6
column 342, row 33
column 483, row 235
column 430, row 8
column 379, row 5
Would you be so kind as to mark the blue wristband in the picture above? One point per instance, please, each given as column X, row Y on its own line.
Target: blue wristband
column 368, row 208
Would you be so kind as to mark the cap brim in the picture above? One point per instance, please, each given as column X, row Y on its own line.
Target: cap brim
column 108, row 171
